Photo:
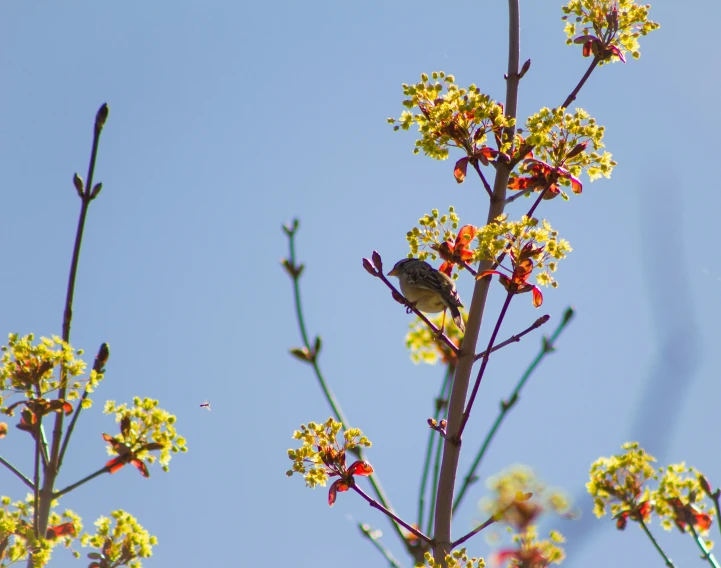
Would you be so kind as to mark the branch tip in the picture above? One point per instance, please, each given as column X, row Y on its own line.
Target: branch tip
column 370, row 269
column 101, row 117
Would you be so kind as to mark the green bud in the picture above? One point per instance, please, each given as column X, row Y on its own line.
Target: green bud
column 78, row 183
column 101, row 117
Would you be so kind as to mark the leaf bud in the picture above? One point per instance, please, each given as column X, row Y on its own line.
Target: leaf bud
column 78, row 183
column 101, row 117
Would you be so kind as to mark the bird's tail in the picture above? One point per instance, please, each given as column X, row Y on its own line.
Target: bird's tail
column 458, row 318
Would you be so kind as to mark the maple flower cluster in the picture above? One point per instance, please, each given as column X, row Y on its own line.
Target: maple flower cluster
column 18, row 538
column 321, row 456
column 518, row 499
column 143, row 428
column 609, row 28
column 121, row 541
column 449, row 116
column 29, row 368
column 621, row 484
column 564, row 145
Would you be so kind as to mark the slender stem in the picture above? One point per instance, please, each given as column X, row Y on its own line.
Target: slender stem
column 461, row 379
column 376, row 505
column 51, row 471
column 71, row 426
column 441, row 402
column 36, row 478
column 572, row 97
column 369, row 534
column 715, row 497
column 540, row 197
column 474, row 532
column 40, row 441
column 335, row 406
column 100, row 359
column 44, row 446
column 468, row 267
column 484, row 363
column 77, row 484
column 436, row 475
column 666, row 559
column 516, row 338
column 546, row 348
column 518, row 195
column 483, row 178
column 704, row 549
column 19, row 475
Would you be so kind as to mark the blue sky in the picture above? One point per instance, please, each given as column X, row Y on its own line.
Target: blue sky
column 228, row 119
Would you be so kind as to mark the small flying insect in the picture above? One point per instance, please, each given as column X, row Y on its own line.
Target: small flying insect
column 206, row 404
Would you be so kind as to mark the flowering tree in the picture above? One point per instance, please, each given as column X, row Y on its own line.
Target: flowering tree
column 45, row 385
column 540, row 159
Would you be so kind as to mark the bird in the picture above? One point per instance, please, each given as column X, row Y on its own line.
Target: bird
column 428, row 289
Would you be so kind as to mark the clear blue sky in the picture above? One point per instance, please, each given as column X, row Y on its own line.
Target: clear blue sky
column 230, row 118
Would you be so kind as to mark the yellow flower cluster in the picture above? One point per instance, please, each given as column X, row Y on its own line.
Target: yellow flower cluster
column 308, row 460
column 148, row 423
column 449, row 116
column 592, row 18
column 512, row 236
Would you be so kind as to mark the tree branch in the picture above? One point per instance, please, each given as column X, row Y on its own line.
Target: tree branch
column 19, row 475
column 461, row 380
column 484, row 363
column 572, row 97
column 474, row 532
column 86, row 196
column 516, row 338
column 441, row 403
column 77, row 484
column 474, row 161
column 373, row 503
column 368, row 533
column 506, row 405
column 295, row 271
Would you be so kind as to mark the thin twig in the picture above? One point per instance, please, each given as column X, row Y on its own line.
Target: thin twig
column 36, row 477
column 441, row 403
column 516, row 338
column 295, row 273
column 436, row 474
column 484, row 363
column 468, row 267
column 715, row 497
column 546, row 348
column 51, row 471
column 100, row 359
column 474, row 532
column 474, row 161
column 77, row 484
column 707, row 555
column 666, row 559
column 572, row 97
column 368, row 533
column 20, row 476
column 519, row 195
column 376, row 505
column 541, row 195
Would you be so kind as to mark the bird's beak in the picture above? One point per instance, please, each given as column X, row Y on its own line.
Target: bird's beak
column 393, row 272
